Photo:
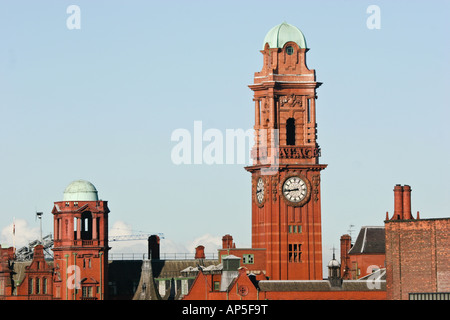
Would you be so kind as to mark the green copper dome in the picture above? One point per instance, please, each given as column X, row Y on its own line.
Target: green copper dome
column 80, row 190
column 282, row 33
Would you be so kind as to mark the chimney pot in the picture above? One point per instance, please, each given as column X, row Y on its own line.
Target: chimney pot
column 200, row 252
column 407, row 202
column 227, row 242
column 398, row 202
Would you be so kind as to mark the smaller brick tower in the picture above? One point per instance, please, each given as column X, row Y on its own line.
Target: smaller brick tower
column 80, row 244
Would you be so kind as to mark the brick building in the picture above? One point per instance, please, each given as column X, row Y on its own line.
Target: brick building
column 365, row 256
column 79, row 269
column 254, row 260
column 285, row 260
column 230, row 281
column 418, row 259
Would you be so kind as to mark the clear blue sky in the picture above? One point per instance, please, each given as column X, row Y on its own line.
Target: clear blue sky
column 100, row 104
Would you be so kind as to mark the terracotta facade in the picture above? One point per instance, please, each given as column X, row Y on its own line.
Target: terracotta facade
column 286, row 147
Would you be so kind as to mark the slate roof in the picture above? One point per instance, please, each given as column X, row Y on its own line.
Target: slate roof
column 153, row 271
column 294, row 285
column 124, row 275
column 172, row 268
column 318, row 285
column 369, row 240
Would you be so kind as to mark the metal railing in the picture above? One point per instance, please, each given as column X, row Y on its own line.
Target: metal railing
column 162, row 256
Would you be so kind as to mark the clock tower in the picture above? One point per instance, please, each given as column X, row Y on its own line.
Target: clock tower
column 286, row 218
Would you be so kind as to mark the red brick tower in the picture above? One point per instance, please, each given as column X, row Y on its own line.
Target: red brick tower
column 80, row 244
column 286, row 218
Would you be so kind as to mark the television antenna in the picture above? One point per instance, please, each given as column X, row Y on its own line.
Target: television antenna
column 350, row 232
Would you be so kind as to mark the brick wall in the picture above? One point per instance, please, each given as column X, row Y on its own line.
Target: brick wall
column 417, row 257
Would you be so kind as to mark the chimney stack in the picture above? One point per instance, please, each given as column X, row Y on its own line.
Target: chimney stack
column 153, row 247
column 346, row 244
column 200, row 252
column 407, row 202
column 227, row 242
column 402, row 203
column 398, row 202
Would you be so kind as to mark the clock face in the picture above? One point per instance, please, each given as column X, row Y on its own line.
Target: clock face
column 260, row 191
column 295, row 189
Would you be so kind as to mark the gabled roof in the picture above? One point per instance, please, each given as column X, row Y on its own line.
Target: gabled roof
column 369, row 240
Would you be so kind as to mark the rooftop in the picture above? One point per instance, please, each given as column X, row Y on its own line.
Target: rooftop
column 369, row 240
column 80, row 190
column 279, row 35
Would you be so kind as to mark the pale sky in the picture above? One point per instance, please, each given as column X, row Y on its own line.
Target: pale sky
column 100, row 103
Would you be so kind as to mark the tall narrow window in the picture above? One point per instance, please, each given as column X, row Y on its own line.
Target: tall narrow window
column 30, row 286
column 75, row 228
column 290, row 132
column 44, row 286
column 308, row 110
column 58, row 228
column 97, row 221
column 86, row 225
column 38, row 286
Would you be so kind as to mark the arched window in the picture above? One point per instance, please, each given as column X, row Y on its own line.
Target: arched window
column 290, row 132
column 44, row 286
column 86, row 225
column 38, row 286
column 30, row 286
